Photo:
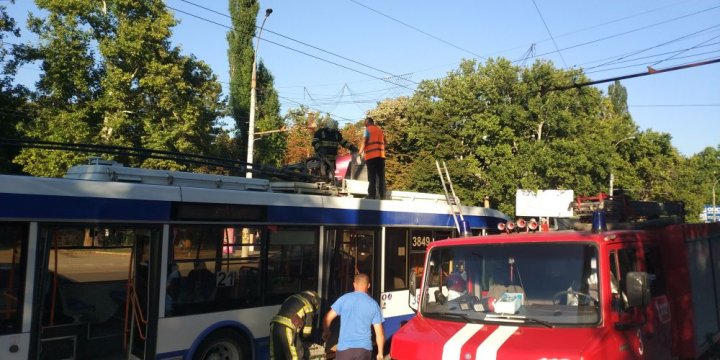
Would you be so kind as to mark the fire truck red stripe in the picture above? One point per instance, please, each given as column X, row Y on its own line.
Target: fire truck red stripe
column 489, row 348
column 451, row 350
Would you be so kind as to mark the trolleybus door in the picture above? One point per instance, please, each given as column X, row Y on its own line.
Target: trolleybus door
column 350, row 252
column 14, row 321
column 142, row 298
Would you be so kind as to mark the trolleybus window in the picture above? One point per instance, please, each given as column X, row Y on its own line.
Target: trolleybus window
column 219, row 267
column 12, row 276
column 292, row 263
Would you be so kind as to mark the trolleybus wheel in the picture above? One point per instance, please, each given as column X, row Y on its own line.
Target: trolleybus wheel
column 222, row 345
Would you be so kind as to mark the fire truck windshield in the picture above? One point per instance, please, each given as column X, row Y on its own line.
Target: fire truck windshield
column 531, row 283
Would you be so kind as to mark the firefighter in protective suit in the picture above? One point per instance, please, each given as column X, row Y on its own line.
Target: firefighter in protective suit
column 325, row 142
column 293, row 322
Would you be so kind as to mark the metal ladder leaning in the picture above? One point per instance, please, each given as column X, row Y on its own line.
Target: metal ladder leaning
column 452, row 199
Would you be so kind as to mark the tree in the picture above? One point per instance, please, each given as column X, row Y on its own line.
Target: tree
column 12, row 97
column 138, row 91
column 269, row 149
column 694, row 183
column 299, row 139
column 240, row 58
column 618, row 97
column 62, row 107
column 153, row 96
column 500, row 127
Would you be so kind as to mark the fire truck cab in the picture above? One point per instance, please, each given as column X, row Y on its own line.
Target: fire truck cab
column 619, row 294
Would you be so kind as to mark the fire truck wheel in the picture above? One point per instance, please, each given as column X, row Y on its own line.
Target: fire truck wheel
column 223, row 344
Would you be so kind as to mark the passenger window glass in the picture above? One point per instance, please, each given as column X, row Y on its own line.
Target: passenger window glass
column 396, row 255
column 292, row 263
column 88, row 268
column 213, row 268
column 12, row 276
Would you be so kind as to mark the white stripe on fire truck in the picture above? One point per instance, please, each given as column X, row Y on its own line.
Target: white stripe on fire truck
column 489, row 348
column 451, row 350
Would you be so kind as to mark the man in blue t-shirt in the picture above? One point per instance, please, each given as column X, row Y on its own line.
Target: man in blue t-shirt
column 357, row 311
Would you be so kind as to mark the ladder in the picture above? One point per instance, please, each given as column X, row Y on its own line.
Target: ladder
column 452, row 200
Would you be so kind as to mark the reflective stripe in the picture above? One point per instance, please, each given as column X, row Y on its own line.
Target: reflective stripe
column 283, row 320
column 489, row 348
column 290, row 337
column 451, row 350
column 374, row 143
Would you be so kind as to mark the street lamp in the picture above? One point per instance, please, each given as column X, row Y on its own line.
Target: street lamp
column 713, row 208
column 253, row 84
column 612, row 176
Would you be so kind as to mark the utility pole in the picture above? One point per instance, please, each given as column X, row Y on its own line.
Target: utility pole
column 253, row 96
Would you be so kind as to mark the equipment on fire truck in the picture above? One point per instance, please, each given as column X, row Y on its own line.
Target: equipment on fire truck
column 520, row 225
column 452, row 200
column 620, row 208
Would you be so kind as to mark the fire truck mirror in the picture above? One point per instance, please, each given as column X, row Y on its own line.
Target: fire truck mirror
column 638, row 288
column 411, row 282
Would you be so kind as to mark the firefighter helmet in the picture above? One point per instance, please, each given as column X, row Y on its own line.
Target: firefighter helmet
column 313, row 297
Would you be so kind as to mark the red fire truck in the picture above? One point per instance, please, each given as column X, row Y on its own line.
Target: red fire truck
column 651, row 293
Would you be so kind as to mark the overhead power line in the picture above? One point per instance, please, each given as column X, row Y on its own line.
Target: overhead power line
column 645, row 62
column 650, row 71
column 419, row 30
column 297, row 41
column 685, row 50
column 655, row 46
column 289, row 48
column 594, row 26
column 675, row 105
column 630, row 31
column 549, row 33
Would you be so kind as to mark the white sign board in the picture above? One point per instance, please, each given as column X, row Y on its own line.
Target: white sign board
column 711, row 214
column 546, row 203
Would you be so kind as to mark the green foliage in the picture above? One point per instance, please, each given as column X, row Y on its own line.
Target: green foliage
column 12, row 97
column 500, row 127
column 63, row 105
column 269, row 149
column 240, row 58
column 138, row 91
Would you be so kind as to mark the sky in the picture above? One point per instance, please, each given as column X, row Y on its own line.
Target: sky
column 343, row 56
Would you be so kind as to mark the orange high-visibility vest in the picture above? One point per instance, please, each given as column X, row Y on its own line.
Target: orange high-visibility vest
column 374, row 143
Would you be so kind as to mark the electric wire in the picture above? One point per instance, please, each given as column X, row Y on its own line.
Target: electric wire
column 684, row 51
column 419, row 30
column 297, row 41
column 595, row 26
column 630, row 31
column 655, row 46
column 630, row 76
column 289, row 48
column 550, row 33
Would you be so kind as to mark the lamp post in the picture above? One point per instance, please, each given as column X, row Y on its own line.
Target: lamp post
column 713, row 208
column 253, row 84
column 612, row 176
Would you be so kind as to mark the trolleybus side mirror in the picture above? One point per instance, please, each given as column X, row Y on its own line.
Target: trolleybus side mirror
column 638, row 288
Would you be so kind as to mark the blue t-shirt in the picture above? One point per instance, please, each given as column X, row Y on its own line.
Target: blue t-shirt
column 358, row 311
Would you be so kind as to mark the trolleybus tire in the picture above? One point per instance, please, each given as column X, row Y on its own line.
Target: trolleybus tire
column 223, row 344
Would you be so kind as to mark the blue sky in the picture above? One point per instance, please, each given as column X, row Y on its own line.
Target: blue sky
column 361, row 50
